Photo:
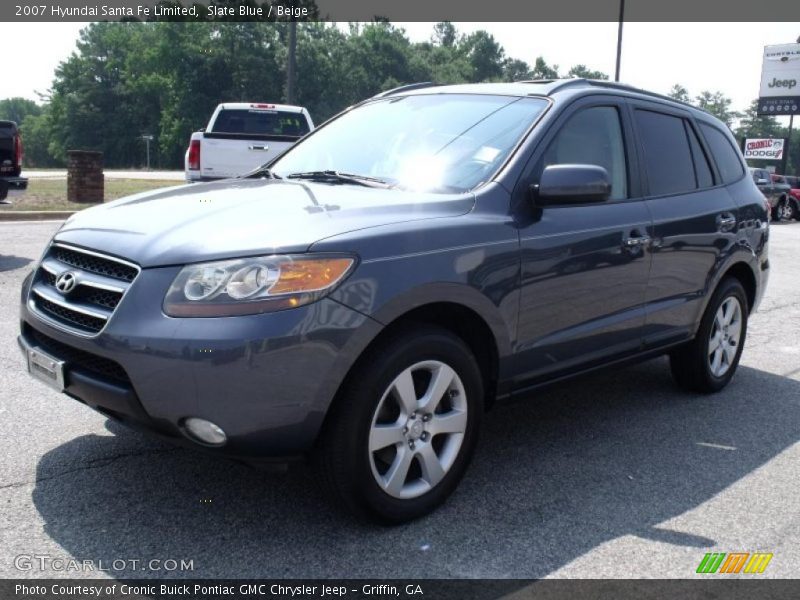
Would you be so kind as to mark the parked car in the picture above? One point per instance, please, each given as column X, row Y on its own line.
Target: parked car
column 425, row 254
column 11, row 154
column 243, row 136
column 786, row 206
column 793, row 211
column 775, row 192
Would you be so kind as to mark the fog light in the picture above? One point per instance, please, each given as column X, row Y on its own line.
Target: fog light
column 205, row 432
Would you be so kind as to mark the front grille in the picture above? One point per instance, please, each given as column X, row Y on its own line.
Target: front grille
column 94, row 264
column 73, row 317
column 75, row 358
column 98, row 297
column 99, row 284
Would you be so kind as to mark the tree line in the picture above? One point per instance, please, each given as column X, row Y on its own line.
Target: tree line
column 126, row 80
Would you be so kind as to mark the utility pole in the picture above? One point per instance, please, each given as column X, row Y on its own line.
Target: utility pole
column 785, row 159
column 619, row 38
column 291, row 63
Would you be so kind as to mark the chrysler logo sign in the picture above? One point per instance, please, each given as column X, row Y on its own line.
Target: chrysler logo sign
column 66, row 282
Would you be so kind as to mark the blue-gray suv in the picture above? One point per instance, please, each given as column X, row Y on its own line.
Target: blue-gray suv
column 364, row 298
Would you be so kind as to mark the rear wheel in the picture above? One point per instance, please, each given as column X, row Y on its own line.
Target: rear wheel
column 793, row 212
column 709, row 362
column 402, row 433
column 786, row 211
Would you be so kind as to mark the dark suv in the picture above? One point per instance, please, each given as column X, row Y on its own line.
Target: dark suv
column 777, row 193
column 363, row 299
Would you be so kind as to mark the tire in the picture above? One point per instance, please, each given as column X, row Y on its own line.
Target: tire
column 377, row 427
column 793, row 212
column 786, row 210
column 694, row 365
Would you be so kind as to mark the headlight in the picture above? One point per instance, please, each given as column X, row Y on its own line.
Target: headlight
column 254, row 285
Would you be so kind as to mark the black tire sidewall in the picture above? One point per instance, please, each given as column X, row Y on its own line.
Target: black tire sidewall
column 727, row 289
column 795, row 214
column 371, row 380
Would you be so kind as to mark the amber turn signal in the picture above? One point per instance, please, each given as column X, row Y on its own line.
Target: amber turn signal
column 310, row 275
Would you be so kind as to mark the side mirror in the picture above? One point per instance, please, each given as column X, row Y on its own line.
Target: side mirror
column 571, row 184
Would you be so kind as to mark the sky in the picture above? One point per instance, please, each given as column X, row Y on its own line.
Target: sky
column 699, row 56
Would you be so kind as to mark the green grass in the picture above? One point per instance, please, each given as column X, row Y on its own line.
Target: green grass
column 51, row 194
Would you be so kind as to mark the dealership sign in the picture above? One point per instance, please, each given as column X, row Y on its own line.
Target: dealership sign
column 780, row 81
column 764, row 148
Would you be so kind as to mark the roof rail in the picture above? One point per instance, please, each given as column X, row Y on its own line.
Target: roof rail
column 557, row 84
column 404, row 88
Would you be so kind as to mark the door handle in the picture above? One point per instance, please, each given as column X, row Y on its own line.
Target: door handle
column 261, row 148
column 726, row 222
column 635, row 241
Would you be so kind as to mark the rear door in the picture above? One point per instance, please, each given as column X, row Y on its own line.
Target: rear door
column 584, row 267
column 694, row 218
column 241, row 139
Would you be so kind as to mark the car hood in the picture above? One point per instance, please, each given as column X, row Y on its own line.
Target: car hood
column 244, row 217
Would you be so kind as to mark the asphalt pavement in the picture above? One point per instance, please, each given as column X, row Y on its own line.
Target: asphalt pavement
column 618, row 474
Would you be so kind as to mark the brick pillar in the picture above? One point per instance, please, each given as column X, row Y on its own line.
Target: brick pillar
column 85, row 181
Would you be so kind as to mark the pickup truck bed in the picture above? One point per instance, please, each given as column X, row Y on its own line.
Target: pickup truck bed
column 243, row 136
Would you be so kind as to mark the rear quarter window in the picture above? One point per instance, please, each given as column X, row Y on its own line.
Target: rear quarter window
column 727, row 157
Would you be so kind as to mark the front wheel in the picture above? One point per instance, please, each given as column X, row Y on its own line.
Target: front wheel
column 401, row 434
column 708, row 363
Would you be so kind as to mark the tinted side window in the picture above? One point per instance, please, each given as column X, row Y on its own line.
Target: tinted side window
column 701, row 167
column 667, row 157
column 726, row 156
column 592, row 136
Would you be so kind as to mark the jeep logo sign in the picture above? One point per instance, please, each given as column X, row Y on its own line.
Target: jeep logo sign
column 786, row 83
column 780, row 81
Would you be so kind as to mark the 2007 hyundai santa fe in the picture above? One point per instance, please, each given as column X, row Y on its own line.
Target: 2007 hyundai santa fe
column 364, row 298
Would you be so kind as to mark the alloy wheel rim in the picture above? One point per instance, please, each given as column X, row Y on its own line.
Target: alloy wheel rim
column 417, row 429
column 725, row 337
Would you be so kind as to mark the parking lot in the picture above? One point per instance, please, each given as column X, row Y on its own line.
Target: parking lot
column 619, row 474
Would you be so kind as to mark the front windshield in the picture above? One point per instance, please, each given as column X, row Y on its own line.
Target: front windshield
column 434, row 142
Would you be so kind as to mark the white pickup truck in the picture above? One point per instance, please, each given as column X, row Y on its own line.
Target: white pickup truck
column 242, row 136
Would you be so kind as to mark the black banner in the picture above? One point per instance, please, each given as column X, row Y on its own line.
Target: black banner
column 402, row 10
column 722, row 588
column 779, row 106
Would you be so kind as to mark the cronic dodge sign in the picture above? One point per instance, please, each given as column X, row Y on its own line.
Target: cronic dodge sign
column 780, row 80
column 765, row 148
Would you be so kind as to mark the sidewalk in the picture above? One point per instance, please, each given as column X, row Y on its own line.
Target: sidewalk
column 35, row 215
column 110, row 174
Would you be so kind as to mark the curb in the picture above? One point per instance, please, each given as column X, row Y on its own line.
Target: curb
column 35, row 215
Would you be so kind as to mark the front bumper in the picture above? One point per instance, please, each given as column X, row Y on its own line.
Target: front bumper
column 12, row 186
column 267, row 380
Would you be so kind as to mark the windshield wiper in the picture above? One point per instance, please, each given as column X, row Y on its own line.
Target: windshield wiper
column 262, row 171
column 337, row 177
